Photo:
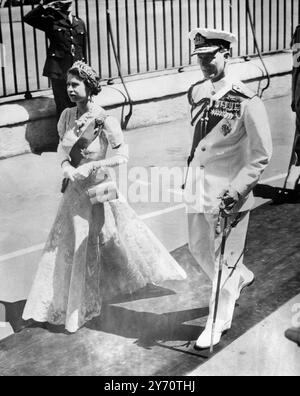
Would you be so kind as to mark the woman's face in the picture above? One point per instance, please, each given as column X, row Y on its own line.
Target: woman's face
column 77, row 90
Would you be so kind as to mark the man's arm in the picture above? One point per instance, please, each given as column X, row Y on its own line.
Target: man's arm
column 39, row 18
column 296, row 65
column 85, row 43
column 260, row 147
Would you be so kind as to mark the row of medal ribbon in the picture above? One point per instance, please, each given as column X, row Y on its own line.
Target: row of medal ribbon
column 226, row 109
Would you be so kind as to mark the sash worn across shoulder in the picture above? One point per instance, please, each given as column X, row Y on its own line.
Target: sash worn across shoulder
column 90, row 134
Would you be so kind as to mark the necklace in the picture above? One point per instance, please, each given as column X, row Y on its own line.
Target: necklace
column 80, row 121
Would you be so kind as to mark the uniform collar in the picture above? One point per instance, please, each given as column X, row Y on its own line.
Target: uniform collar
column 67, row 22
column 75, row 20
column 221, row 87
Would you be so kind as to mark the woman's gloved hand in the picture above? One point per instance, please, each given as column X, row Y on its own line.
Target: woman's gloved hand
column 84, row 171
column 69, row 171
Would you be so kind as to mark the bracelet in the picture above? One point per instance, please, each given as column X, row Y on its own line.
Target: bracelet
column 66, row 160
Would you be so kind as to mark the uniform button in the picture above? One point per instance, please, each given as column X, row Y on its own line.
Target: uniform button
column 72, row 37
column 202, row 167
column 203, row 148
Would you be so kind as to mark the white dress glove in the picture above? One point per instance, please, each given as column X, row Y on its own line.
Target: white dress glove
column 83, row 171
column 69, row 171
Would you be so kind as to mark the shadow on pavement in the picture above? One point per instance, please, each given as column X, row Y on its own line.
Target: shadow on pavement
column 148, row 328
column 41, row 133
column 13, row 314
column 145, row 335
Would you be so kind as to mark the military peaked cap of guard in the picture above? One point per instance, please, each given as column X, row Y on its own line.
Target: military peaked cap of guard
column 231, row 147
column 67, row 44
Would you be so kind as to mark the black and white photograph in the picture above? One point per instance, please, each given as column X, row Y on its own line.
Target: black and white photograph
column 150, row 191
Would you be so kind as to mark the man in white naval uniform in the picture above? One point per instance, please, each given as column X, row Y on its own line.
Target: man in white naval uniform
column 232, row 146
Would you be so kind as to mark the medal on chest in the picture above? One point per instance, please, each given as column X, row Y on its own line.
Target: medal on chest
column 228, row 108
column 226, row 128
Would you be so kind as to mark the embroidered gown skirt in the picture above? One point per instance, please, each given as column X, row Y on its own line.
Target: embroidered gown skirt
column 93, row 253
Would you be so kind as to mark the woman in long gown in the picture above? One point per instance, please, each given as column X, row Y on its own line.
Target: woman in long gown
column 94, row 251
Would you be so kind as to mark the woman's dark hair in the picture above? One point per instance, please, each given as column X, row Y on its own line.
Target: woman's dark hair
column 88, row 75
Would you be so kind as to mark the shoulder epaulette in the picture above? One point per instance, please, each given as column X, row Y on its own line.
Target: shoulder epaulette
column 243, row 91
column 191, row 89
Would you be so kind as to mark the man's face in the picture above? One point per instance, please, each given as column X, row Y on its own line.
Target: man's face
column 213, row 64
column 63, row 6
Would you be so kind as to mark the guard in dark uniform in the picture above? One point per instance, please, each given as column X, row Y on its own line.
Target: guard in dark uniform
column 67, row 35
column 294, row 175
column 232, row 146
column 293, row 180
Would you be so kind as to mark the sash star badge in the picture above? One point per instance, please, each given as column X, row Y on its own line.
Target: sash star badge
column 85, row 153
column 226, row 128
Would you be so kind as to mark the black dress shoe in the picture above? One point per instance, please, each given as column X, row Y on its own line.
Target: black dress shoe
column 293, row 334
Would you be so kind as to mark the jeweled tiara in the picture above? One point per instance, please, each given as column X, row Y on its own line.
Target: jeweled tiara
column 85, row 69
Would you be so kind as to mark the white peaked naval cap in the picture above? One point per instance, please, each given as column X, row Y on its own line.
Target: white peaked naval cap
column 210, row 40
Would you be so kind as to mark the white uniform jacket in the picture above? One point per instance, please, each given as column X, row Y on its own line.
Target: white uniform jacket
column 236, row 150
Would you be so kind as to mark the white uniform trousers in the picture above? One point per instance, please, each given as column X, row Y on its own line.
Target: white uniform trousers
column 205, row 246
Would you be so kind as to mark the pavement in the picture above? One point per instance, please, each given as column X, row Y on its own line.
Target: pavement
column 29, row 196
column 262, row 350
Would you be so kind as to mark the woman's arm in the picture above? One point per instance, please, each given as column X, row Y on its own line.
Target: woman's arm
column 63, row 158
column 115, row 138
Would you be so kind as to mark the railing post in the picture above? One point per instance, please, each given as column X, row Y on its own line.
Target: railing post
column 137, row 36
column 262, row 17
column 127, row 37
column 88, row 30
column 108, row 42
column 155, row 34
column 99, row 47
column 146, row 34
column 277, row 22
column 27, row 93
column 239, row 26
column 164, row 23
column 165, row 35
column 172, row 32
column 118, row 30
column 12, row 41
column 2, row 58
column 180, row 33
column 222, row 14
column 215, row 13
column 270, row 25
column 190, row 28
column 36, row 57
